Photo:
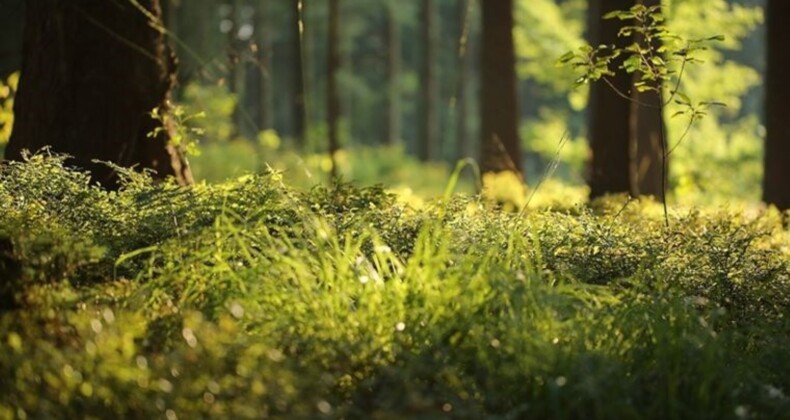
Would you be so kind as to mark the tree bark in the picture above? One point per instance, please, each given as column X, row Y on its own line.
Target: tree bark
column 263, row 65
column 463, row 139
column 299, row 114
column 234, row 76
column 91, row 72
column 332, row 97
column 646, row 128
column 776, row 189
column 429, row 120
column 11, row 29
column 625, row 133
column 610, row 114
column 393, row 75
column 500, row 148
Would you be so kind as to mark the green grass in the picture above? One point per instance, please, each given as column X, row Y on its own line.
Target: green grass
column 250, row 299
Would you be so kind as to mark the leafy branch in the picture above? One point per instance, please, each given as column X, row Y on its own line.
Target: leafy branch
column 657, row 58
column 174, row 120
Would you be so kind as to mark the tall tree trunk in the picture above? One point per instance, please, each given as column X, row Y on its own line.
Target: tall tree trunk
column 298, row 75
column 307, row 74
column 646, row 151
column 500, row 148
column 646, row 131
column 263, row 65
column 429, row 118
column 91, row 73
column 393, row 75
column 235, row 67
column 776, row 189
column 463, row 146
column 333, row 65
column 646, row 128
column 11, row 29
column 610, row 114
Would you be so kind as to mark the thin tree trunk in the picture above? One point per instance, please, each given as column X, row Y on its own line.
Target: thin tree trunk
column 463, row 147
column 609, row 113
column 91, row 73
column 235, row 67
column 393, row 75
column 429, row 128
column 307, row 72
column 264, row 118
column 776, row 181
column 333, row 99
column 500, row 148
column 298, row 76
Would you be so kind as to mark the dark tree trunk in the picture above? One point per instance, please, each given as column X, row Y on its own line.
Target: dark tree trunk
column 646, row 131
column 625, row 132
column 646, row 126
column 429, row 118
column 500, row 148
column 332, row 96
column 91, row 72
column 610, row 114
column 235, row 67
column 776, row 181
column 299, row 115
column 393, row 75
column 263, row 65
column 463, row 147
column 11, row 28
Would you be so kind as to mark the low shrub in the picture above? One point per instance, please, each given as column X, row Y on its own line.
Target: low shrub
column 250, row 299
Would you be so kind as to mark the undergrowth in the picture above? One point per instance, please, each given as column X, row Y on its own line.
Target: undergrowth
column 249, row 299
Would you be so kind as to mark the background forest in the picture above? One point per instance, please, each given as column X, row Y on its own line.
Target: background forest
column 408, row 81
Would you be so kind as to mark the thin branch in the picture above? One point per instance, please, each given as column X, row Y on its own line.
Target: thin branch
column 677, row 84
column 548, row 172
column 664, row 166
column 626, row 97
column 683, row 136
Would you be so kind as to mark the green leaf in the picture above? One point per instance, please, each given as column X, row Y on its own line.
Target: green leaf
column 568, row 56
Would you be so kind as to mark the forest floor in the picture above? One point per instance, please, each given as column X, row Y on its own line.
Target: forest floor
column 249, row 299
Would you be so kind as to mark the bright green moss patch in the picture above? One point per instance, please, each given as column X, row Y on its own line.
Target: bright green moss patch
column 249, row 299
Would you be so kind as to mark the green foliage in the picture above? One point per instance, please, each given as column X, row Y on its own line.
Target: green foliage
column 178, row 125
column 728, row 139
column 390, row 166
column 216, row 106
column 659, row 59
column 249, row 299
column 546, row 28
column 7, row 92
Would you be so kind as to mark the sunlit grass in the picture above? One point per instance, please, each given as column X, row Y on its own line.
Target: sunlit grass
column 250, row 299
